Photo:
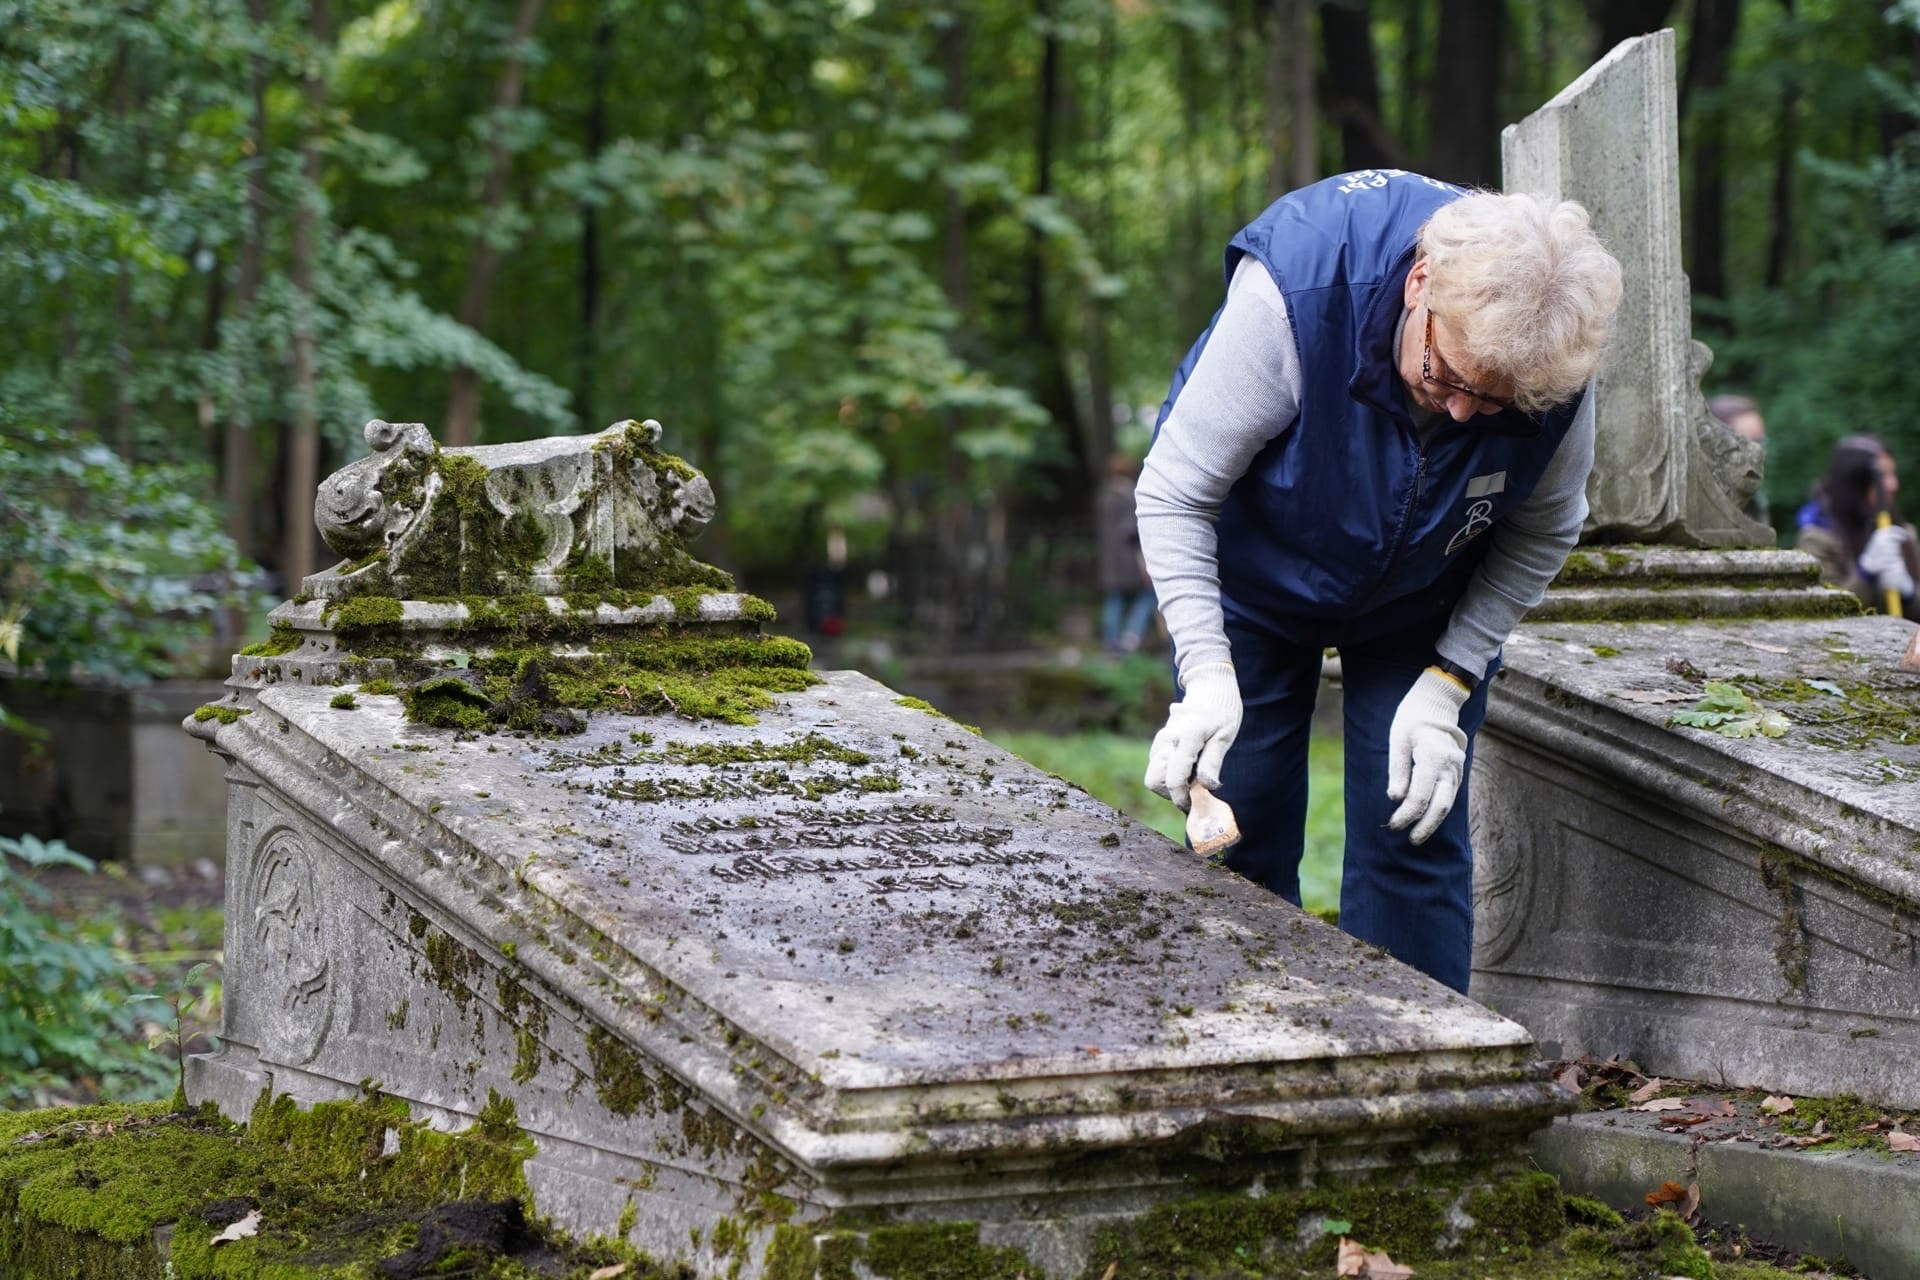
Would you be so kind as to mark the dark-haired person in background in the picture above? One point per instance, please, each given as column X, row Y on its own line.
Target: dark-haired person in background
column 1840, row 526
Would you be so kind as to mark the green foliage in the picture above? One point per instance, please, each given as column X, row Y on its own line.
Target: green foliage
column 65, row 1007
column 1729, row 710
column 1110, row 768
column 102, row 562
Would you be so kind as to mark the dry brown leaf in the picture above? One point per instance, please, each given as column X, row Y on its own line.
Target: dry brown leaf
column 1570, row 1079
column 1662, row 1104
column 608, row 1273
column 1381, row 1267
column 1690, row 1202
column 241, row 1230
column 1669, row 1193
column 1903, row 1141
column 1779, row 1105
column 1113, row 1269
column 1647, row 1090
column 1352, row 1259
column 1713, row 1108
column 1820, row 1128
column 1653, row 697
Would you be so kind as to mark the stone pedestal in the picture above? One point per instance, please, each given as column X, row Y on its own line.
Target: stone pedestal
column 1737, row 910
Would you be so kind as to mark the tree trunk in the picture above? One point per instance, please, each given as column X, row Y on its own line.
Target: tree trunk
column 1305, row 116
column 1465, row 112
column 1352, row 90
column 1715, row 25
column 239, row 453
column 1785, row 135
column 1617, row 20
column 588, row 347
column 303, row 442
column 923, row 583
column 1292, row 162
column 1100, row 425
column 463, row 403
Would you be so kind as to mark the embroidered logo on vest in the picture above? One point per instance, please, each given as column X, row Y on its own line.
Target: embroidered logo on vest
column 1480, row 514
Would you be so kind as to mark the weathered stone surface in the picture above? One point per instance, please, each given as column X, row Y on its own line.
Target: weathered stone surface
column 1856, row 1205
column 1623, row 583
column 1664, row 471
column 850, row 965
column 1713, row 908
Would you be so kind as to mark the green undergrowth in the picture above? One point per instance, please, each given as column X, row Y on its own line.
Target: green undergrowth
column 347, row 1190
column 1110, row 767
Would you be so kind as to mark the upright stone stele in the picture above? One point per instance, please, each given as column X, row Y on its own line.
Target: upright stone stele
column 1729, row 909
column 1664, row 471
column 784, row 975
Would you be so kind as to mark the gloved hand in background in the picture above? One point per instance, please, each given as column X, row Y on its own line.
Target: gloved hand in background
column 1884, row 559
column 1200, row 727
column 1426, row 753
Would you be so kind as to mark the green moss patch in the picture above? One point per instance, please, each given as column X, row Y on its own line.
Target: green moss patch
column 214, row 711
column 283, row 640
column 346, row 1189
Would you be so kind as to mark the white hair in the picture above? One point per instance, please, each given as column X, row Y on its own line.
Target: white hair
column 1526, row 289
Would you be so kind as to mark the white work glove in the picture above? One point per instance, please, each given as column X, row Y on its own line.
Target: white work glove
column 1884, row 559
column 1199, row 729
column 1426, row 753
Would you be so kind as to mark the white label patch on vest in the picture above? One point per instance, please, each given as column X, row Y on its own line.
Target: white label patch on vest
column 1481, row 486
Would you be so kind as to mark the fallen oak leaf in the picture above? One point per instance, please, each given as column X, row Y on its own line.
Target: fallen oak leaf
column 1113, row 1269
column 1712, row 1108
column 241, row 1230
column 1899, row 1141
column 1352, row 1258
column 1690, row 1202
column 1779, row 1105
column 1647, row 1090
column 1662, row 1104
column 1669, row 1193
column 609, row 1273
column 1570, row 1079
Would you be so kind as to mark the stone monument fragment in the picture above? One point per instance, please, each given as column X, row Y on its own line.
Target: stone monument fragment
column 785, row 975
column 1736, row 909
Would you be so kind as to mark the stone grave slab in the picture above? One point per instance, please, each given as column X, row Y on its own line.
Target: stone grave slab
column 853, row 960
column 1737, row 910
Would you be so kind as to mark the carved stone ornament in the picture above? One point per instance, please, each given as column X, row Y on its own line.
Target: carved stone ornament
column 290, row 948
column 566, row 513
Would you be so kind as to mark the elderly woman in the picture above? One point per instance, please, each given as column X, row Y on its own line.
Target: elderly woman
column 1381, row 445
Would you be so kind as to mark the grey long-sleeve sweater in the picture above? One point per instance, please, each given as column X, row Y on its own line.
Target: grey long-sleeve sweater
column 1244, row 392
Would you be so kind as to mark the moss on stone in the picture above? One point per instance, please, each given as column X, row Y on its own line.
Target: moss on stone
column 339, row 1188
column 215, row 711
column 620, row 1078
column 342, row 702
column 282, row 640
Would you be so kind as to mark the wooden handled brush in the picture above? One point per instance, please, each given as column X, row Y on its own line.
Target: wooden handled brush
column 1210, row 824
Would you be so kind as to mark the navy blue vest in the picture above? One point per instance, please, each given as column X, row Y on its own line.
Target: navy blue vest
column 1350, row 511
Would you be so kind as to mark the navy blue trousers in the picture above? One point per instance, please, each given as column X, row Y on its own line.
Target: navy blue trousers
column 1414, row 900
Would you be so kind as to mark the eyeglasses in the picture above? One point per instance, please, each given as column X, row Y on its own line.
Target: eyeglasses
column 1426, row 371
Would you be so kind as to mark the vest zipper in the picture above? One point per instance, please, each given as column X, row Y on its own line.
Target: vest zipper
column 1400, row 534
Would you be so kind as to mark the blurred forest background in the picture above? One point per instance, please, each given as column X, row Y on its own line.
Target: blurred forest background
column 902, row 269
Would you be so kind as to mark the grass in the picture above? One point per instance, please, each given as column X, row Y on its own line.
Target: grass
column 1109, row 766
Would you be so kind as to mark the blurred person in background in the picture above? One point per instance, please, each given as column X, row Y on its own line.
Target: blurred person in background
column 1853, row 527
column 1126, row 604
column 1381, row 445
